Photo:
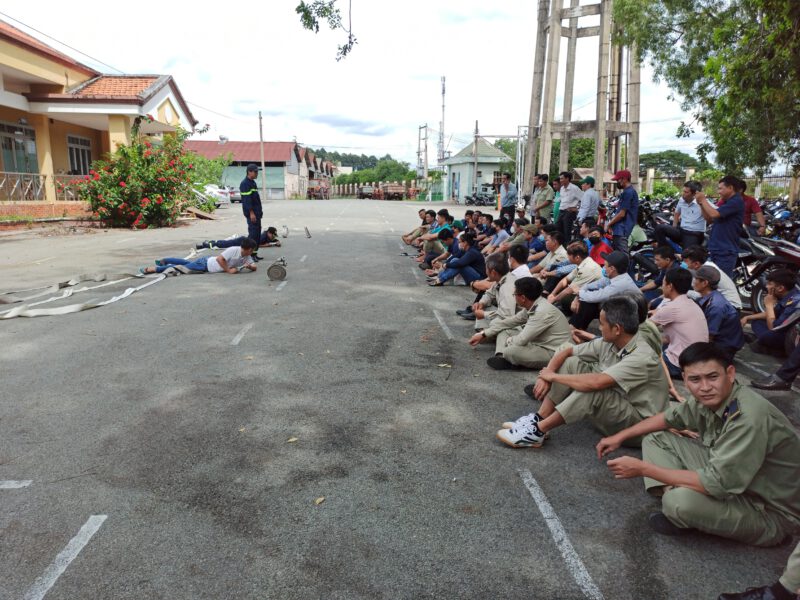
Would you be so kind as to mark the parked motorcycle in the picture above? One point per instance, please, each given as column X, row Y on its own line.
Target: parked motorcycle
column 758, row 257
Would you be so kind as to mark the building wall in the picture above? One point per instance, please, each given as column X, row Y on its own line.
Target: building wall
column 59, row 130
column 29, row 62
column 43, row 210
column 464, row 178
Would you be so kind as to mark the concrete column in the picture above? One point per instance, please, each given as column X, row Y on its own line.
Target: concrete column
column 606, row 7
column 634, row 93
column 614, row 99
column 119, row 131
column 536, row 97
column 569, row 85
column 44, row 154
column 651, row 175
column 689, row 173
column 551, row 83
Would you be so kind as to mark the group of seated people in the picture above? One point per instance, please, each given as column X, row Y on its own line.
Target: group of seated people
column 537, row 297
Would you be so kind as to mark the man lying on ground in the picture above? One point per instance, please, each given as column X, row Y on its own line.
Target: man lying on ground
column 530, row 338
column 230, row 261
column 269, row 238
column 614, row 381
column 741, row 481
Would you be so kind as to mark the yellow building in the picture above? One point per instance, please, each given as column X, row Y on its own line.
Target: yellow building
column 58, row 115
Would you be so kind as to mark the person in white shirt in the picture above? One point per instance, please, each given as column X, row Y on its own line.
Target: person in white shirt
column 230, row 261
column 696, row 257
column 590, row 201
column 570, row 196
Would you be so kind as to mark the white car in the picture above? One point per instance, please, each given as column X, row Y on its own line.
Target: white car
column 220, row 194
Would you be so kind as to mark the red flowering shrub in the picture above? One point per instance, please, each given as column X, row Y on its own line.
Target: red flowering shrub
column 142, row 185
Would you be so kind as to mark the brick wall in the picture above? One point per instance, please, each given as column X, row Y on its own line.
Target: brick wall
column 41, row 210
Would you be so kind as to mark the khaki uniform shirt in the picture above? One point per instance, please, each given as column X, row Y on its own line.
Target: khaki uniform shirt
column 543, row 325
column 502, row 296
column 541, row 196
column 651, row 335
column 635, row 369
column 586, row 272
column 753, row 449
column 554, row 258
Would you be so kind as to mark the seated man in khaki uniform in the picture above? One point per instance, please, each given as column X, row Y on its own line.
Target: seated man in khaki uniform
column 614, row 381
column 786, row 588
column 497, row 302
column 741, row 481
column 531, row 337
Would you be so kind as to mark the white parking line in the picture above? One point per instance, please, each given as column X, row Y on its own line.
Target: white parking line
column 415, row 272
column 15, row 485
column 123, row 240
column 281, row 286
column 402, row 247
column 327, row 229
column 235, row 341
column 43, row 583
column 391, row 229
column 43, row 260
column 574, row 562
column 444, row 326
column 304, row 258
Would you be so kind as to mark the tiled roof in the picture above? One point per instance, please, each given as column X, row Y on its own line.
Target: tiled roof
column 122, row 86
column 18, row 37
column 243, row 151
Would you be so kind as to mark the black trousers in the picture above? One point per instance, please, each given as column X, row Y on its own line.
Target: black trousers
column 587, row 312
column 565, row 222
column 678, row 235
column 509, row 213
column 254, row 230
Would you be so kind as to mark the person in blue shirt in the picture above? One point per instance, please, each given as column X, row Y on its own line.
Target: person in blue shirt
column 727, row 217
column 724, row 327
column 688, row 225
column 781, row 301
column 508, row 199
column 251, row 205
column 664, row 258
column 471, row 265
column 621, row 224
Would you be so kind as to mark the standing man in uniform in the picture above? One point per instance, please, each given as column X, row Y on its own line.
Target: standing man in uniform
column 741, row 481
column 251, row 205
column 621, row 225
column 727, row 217
column 542, row 200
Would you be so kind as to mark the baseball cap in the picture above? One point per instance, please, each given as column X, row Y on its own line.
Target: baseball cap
column 458, row 224
column 253, row 167
column 617, row 259
column 709, row 274
column 530, row 227
column 624, row 174
column 588, row 179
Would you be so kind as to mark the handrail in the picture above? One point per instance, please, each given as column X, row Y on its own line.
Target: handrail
column 22, row 186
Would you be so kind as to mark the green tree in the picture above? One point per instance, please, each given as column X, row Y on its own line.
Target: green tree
column 508, row 147
column 314, row 12
column 735, row 64
column 668, row 162
column 581, row 155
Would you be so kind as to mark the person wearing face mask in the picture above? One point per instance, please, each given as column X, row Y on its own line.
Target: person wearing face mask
column 598, row 245
column 621, row 224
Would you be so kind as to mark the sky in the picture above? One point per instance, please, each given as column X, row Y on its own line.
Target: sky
column 232, row 60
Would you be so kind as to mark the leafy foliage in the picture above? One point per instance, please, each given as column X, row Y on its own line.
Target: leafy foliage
column 142, row 184
column 509, row 147
column 734, row 63
column 385, row 170
column 662, row 189
column 350, row 160
column 311, row 13
column 670, row 162
column 581, row 154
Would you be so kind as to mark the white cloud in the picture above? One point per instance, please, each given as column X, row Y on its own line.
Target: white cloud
column 237, row 59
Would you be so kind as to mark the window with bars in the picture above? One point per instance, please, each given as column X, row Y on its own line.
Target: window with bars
column 80, row 154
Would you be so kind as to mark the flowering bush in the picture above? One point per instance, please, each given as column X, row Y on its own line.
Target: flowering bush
column 141, row 185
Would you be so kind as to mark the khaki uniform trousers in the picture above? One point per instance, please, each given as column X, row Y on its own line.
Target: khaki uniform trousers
column 416, row 233
column 433, row 246
column 738, row 517
column 529, row 356
column 791, row 576
column 608, row 410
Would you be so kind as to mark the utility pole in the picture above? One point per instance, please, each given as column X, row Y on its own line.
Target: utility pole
column 425, row 161
column 441, row 128
column 263, row 170
column 475, row 161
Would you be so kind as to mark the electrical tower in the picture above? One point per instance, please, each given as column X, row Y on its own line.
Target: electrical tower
column 618, row 77
column 441, row 129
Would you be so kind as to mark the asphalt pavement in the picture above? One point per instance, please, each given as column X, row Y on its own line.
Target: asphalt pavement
column 330, row 436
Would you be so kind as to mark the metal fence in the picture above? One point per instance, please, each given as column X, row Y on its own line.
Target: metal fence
column 766, row 188
column 22, row 186
column 67, row 188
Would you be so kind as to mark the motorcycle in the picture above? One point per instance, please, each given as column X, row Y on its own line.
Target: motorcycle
column 758, row 257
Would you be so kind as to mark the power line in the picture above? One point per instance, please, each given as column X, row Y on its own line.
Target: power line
column 100, row 62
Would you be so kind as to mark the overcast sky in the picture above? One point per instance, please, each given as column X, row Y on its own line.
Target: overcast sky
column 231, row 60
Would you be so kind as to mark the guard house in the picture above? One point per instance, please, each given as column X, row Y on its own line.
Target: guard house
column 463, row 170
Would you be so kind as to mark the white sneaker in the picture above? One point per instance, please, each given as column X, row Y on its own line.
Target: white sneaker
column 527, row 436
column 524, row 420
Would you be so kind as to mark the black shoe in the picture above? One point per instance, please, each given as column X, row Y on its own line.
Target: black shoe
column 256, row 257
column 528, row 389
column 749, row 337
column 767, row 592
column 424, row 266
column 201, row 246
column 465, row 311
column 469, row 316
column 661, row 524
column 499, row 363
column 773, row 382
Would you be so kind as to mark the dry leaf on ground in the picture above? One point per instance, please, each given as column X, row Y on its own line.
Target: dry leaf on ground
column 319, row 500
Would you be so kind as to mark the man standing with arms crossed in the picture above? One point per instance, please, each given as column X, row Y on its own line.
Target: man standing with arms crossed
column 251, row 205
column 570, row 202
column 508, row 199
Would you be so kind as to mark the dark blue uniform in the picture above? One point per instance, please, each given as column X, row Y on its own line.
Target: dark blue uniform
column 251, row 201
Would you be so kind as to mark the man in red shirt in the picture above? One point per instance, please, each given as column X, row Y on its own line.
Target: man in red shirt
column 752, row 207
